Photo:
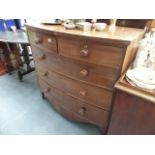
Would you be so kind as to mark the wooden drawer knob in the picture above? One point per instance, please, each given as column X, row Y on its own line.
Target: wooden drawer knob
column 45, row 74
column 38, row 41
column 83, row 92
column 82, row 111
column 84, row 53
column 47, row 90
column 49, row 40
column 42, row 57
column 84, row 72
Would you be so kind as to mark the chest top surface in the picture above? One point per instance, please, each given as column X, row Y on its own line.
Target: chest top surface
column 122, row 34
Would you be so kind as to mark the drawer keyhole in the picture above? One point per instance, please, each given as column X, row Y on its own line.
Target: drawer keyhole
column 85, row 46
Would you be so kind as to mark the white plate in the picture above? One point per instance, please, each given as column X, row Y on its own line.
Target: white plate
column 51, row 22
column 130, row 76
column 145, row 75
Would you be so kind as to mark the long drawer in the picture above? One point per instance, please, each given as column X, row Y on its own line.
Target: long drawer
column 90, row 51
column 87, row 112
column 93, row 74
column 87, row 93
column 43, row 40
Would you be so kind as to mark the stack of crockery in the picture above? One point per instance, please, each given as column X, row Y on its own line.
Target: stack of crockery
column 142, row 74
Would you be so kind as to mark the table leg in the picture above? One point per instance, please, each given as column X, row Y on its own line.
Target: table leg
column 8, row 65
column 27, row 61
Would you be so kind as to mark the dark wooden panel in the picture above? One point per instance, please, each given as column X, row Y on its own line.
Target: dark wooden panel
column 132, row 115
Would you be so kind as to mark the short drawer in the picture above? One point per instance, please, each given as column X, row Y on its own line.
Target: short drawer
column 86, row 111
column 43, row 40
column 92, row 74
column 87, row 93
column 90, row 51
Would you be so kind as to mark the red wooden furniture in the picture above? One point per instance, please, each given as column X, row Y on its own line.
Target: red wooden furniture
column 133, row 110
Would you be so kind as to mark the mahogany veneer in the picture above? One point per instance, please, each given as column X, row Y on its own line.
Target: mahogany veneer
column 77, row 70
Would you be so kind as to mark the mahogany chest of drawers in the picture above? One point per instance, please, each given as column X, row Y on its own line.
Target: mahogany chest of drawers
column 77, row 70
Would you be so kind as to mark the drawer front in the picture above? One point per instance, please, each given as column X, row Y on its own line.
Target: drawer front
column 92, row 74
column 90, row 94
column 91, row 52
column 87, row 112
column 43, row 40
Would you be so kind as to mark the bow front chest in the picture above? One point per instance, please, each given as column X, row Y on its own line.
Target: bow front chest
column 77, row 70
